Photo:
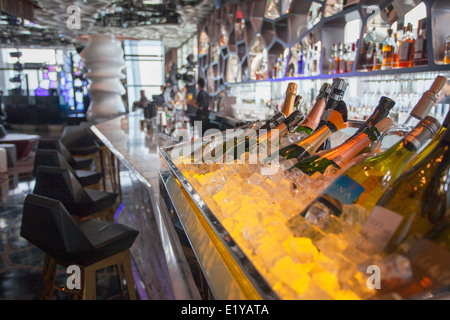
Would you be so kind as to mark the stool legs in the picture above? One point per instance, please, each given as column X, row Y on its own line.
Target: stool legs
column 89, row 283
column 88, row 275
column 48, row 277
column 129, row 275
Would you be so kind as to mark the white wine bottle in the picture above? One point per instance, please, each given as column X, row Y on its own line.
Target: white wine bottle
column 414, row 204
column 365, row 182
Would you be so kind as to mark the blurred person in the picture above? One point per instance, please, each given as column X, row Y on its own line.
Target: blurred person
column 202, row 105
column 142, row 103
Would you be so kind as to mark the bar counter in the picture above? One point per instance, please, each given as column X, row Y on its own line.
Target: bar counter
column 177, row 254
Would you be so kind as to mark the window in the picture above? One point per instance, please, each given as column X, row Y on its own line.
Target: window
column 145, row 68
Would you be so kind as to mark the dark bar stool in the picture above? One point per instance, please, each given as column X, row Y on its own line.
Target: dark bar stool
column 92, row 245
column 81, row 142
column 60, row 184
column 78, row 141
column 53, row 158
column 56, row 144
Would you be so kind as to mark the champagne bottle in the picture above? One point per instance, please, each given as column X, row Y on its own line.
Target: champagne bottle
column 338, row 88
column 419, row 112
column 313, row 118
column 430, row 146
column 231, row 139
column 249, row 142
column 309, row 145
column 342, row 154
column 413, row 205
column 291, row 93
column 385, row 105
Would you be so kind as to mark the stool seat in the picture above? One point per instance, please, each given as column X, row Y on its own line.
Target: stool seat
column 99, row 201
column 87, row 178
column 107, row 239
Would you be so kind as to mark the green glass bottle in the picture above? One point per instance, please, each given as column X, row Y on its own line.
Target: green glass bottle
column 308, row 146
column 250, row 142
column 366, row 181
column 342, row 154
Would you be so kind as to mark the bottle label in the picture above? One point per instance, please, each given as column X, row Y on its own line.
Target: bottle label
column 418, row 47
column 404, row 50
column 344, row 189
column 379, row 228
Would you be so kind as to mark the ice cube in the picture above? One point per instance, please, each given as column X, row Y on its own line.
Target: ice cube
column 330, row 171
column 331, row 245
column 300, row 227
column 278, row 230
column 255, row 179
column 354, row 214
column 291, row 207
column 301, row 249
column 282, row 196
column 270, row 250
column 269, row 186
column 290, row 272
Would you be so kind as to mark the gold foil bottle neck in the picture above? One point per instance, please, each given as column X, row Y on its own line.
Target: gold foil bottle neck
column 291, row 93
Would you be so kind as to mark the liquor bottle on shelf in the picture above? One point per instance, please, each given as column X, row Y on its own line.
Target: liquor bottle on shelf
column 339, row 54
column 447, row 51
column 420, row 45
column 396, row 62
column 366, row 51
column 342, row 58
column 388, row 51
column 315, row 60
column 281, row 67
column 312, row 120
column 333, row 64
column 377, row 57
column 274, row 70
column 351, row 58
column 308, row 146
column 301, row 63
column 339, row 156
column 365, row 182
column 430, row 146
column 414, row 204
column 406, row 53
column 419, row 112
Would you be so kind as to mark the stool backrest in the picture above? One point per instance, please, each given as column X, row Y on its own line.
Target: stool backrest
column 60, row 184
column 76, row 136
column 56, row 144
column 50, row 158
column 47, row 224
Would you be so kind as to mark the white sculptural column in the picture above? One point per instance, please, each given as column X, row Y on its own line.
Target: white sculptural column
column 103, row 56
